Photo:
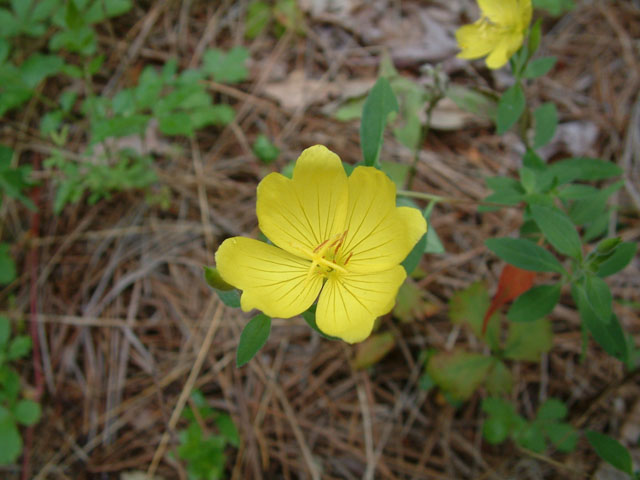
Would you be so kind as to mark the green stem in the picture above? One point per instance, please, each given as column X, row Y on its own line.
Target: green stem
column 451, row 200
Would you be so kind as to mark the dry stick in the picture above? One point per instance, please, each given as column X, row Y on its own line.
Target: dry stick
column 366, row 426
column 631, row 152
column 205, row 213
column 33, row 306
column 184, row 395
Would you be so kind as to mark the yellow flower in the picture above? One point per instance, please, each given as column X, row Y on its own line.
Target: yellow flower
column 498, row 33
column 338, row 237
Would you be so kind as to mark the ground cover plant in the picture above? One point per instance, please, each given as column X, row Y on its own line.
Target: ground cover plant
column 299, row 239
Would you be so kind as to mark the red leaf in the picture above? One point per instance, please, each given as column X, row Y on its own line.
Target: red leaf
column 513, row 283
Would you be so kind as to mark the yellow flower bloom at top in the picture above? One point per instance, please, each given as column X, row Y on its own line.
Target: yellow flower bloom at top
column 338, row 237
column 499, row 33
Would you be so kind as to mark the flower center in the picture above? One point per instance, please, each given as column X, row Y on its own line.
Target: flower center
column 325, row 257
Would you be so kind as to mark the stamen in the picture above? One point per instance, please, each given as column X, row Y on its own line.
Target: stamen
column 348, row 258
column 315, row 250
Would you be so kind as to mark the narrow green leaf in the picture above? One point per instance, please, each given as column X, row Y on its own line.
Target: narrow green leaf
column 265, row 150
column 534, row 303
column 558, row 230
column 546, row 121
column 534, row 37
column 609, row 336
column 624, row 253
column 539, row 67
column 510, row 107
column 253, row 337
column 413, row 259
column 611, row 451
column 228, row 429
column 524, row 254
column 599, row 297
column 379, row 104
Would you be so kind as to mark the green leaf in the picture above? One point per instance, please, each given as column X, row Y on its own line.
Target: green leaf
column 51, row 122
column 415, row 255
column 226, row 67
column 563, row 436
column 253, row 337
column 534, row 37
column 539, row 67
column 527, row 341
column 473, row 101
column 37, row 67
column 27, row 412
column 510, row 107
column 5, row 332
column 530, row 436
column 608, row 334
column 100, row 10
column 258, row 16
column 546, row 121
column 611, row 451
column 19, row 347
column 599, row 297
column 5, row 49
column 7, row 265
column 580, row 168
column 212, row 115
column 459, row 373
column 468, row 307
column 231, row 298
column 552, row 409
column 228, row 429
column 379, row 104
column 499, row 379
column 554, row 7
column 502, row 418
column 8, row 25
column 535, row 303
column 524, row 254
column 624, row 253
column 373, row 349
column 118, row 127
column 215, row 280
column 266, row 151
column 558, row 230
column 176, row 123
column 10, row 442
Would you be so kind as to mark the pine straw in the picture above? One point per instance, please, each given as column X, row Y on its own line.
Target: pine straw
column 123, row 309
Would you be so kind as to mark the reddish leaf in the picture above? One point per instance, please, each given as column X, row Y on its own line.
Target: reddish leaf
column 513, row 282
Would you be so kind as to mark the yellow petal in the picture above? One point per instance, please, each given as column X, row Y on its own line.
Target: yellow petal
column 379, row 234
column 506, row 47
column 476, row 40
column 350, row 303
column 271, row 279
column 501, row 12
column 308, row 209
column 525, row 12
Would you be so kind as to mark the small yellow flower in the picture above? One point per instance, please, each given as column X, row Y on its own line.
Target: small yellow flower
column 338, row 237
column 499, row 33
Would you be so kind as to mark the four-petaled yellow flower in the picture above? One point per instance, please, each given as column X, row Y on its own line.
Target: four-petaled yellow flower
column 339, row 237
column 499, row 33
